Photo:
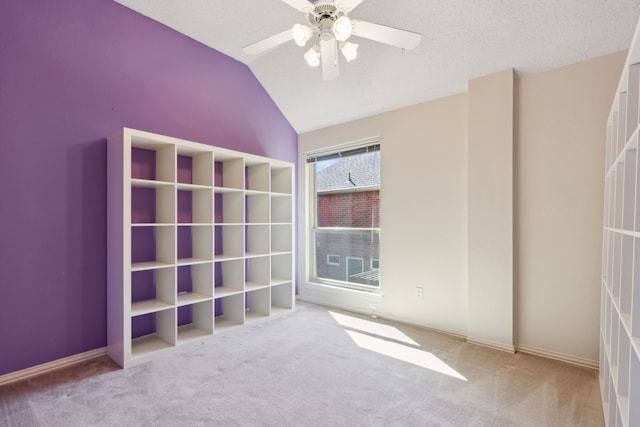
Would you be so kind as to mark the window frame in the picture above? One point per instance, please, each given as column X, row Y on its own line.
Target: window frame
column 337, row 264
column 311, row 158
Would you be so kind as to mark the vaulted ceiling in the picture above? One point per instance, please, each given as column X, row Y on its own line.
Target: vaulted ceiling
column 461, row 40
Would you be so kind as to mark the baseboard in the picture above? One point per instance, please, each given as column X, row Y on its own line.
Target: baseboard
column 492, row 344
column 579, row 361
column 452, row 334
column 51, row 366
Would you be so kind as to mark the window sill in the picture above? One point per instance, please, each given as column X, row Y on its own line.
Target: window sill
column 357, row 300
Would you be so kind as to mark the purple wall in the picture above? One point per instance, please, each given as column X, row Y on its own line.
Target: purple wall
column 71, row 73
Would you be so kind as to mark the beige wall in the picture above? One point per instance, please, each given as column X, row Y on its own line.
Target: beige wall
column 559, row 121
column 423, row 212
column 490, row 213
column 559, row 173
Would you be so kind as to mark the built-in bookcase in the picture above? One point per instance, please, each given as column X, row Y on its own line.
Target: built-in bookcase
column 199, row 239
column 620, row 295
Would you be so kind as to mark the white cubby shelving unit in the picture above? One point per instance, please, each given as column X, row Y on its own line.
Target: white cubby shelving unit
column 620, row 301
column 199, row 238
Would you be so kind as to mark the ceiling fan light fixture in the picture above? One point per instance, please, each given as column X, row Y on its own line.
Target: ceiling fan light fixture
column 301, row 34
column 342, row 28
column 349, row 50
column 312, row 57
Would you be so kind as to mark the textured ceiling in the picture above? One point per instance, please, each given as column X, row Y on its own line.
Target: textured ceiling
column 461, row 40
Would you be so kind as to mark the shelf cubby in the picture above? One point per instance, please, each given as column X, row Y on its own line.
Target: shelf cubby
column 257, row 273
column 623, row 366
column 281, row 209
column 193, row 224
column 257, row 238
column 195, row 321
column 257, row 176
column 152, row 203
column 152, row 247
column 229, row 311
column 195, row 244
column 628, row 209
column 152, row 161
column 282, row 297
column 229, row 242
column 258, row 303
column 281, row 238
column 195, row 283
column 634, row 389
column 622, row 121
column 152, row 332
column 229, row 206
column 635, row 294
column 281, row 269
column 626, row 279
column 257, row 207
column 229, row 171
column 152, row 290
column 281, row 180
column 619, row 194
column 633, row 93
column 195, row 206
column 194, row 166
column 229, row 277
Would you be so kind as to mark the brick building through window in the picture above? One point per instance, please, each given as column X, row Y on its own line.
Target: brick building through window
column 348, row 219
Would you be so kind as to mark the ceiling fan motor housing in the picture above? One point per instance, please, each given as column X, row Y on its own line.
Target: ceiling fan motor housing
column 323, row 11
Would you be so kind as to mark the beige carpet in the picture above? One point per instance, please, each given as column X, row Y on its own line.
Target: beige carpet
column 314, row 367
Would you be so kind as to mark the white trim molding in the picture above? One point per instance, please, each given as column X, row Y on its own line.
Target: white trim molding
column 51, row 366
column 574, row 360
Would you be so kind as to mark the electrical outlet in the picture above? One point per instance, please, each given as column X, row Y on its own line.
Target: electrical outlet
column 373, row 307
column 419, row 293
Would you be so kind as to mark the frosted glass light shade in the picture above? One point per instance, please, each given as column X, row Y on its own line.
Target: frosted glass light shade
column 312, row 57
column 301, row 34
column 342, row 28
column 349, row 50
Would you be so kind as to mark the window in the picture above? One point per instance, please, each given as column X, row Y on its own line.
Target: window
column 355, row 267
column 345, row 210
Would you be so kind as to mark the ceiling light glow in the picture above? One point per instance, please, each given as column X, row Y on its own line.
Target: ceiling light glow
column 301, row 34
column 312, row 57
column 342, row 28
column 349, row 50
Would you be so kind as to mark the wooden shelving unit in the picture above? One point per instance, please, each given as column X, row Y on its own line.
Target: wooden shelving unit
column 620, row 302
column 200, row 238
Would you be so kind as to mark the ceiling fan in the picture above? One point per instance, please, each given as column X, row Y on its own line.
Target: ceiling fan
column 329, row 23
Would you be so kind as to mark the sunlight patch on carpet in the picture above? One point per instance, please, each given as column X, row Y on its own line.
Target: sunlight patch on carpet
column 372, row 328
column 415, row 356
column 391, row 342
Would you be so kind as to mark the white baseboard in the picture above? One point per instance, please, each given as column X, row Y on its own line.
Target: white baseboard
column 574, row 360
column 51, row 366
column 492, row 344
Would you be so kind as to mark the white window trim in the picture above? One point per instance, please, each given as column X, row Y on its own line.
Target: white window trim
column 333, row 263
column 371, row 264
column 358, row 300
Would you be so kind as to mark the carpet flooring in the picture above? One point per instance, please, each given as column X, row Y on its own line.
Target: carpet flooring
column 313, row 366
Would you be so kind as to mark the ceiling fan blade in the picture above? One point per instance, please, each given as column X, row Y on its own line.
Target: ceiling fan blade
column 268, row 43
column 388, row 35
column 329, row 58
column 302, row 5
column 347, row 5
